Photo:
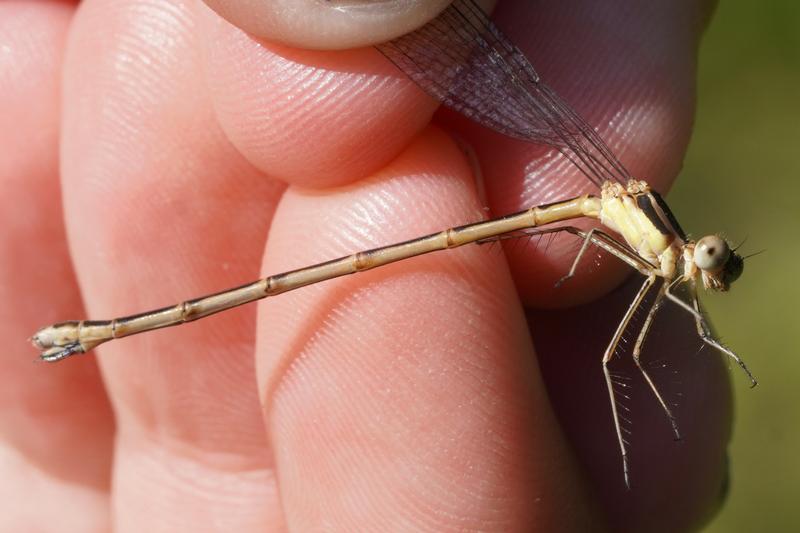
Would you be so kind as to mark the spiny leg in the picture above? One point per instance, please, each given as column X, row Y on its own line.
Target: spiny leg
column 703, row 329
column 612, row 346
column 587, row 240
column 596, row 236
column 528, row 233
column 608, row 243
column 637, row 351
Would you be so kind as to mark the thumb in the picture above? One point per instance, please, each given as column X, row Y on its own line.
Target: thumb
column 329, row 25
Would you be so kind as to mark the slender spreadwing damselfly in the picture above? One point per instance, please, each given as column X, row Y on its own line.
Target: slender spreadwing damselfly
column 464, row 61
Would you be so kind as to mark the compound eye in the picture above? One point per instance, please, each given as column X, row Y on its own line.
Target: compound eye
column 711, row 253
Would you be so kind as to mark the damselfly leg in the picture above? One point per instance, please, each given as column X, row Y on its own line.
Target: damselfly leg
column 608, row 243
column 703, row 329
column 624, row 253
column 609, row 353
column 637, row 352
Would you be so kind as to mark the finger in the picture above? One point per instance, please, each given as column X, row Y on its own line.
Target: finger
column 312, row 118
column 643, row 94
column 407, row 394
column 161, row 208
column 56, row 426
column 629, row 70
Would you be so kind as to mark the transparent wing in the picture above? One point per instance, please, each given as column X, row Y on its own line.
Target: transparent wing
column 463, row 60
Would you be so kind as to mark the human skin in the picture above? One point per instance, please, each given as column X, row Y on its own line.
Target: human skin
column 164, row 153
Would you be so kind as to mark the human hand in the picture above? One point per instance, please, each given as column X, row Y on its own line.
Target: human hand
column 194, row 158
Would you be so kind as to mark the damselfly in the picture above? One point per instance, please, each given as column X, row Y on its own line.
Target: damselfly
column 464, row 61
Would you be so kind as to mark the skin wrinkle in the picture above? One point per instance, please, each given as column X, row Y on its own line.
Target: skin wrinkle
column 230, row 462
column 193, row 478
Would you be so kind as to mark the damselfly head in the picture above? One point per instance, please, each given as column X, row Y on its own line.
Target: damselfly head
column 719, row 265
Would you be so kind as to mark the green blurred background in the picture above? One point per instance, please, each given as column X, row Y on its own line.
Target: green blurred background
column 742, row 173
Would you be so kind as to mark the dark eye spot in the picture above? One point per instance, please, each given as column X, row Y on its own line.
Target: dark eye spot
column 712, row 251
